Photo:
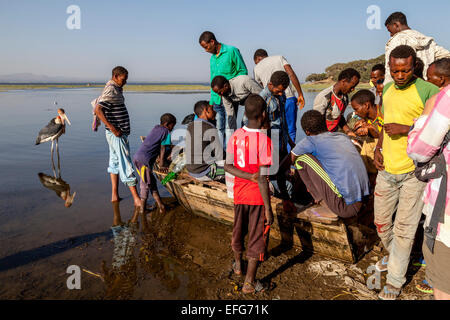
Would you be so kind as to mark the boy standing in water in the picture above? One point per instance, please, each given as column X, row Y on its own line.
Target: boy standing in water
column 111, row 110
column 249, row 154
column 152, row 149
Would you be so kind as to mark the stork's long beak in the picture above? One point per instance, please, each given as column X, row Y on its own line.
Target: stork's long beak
column 67, row 119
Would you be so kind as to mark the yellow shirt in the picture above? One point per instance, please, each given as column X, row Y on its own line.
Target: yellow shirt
column 402, row 105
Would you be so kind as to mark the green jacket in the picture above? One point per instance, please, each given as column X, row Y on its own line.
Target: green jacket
column 228, row 63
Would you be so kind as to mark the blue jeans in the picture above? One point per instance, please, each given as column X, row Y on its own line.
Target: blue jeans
column 220, row 122
column 291, row 110
column 119, row 158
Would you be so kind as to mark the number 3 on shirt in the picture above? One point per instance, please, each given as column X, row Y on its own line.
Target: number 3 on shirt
column 241, row 160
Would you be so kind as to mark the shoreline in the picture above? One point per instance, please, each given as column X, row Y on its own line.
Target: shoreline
column 152, row 88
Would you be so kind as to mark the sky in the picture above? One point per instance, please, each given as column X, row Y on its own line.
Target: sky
column 158, row 40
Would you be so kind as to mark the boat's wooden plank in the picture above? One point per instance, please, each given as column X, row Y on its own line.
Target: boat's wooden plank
column 328, row 236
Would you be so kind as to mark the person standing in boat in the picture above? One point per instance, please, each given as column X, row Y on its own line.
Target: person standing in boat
column 204, row 151
column 333, row 101
column 265, row 66
column 397, row 189
column 331, row 167
column 249, row 156
column 401, row 34
column 226, row 61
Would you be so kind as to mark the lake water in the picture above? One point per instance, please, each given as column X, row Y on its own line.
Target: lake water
column 34, row 222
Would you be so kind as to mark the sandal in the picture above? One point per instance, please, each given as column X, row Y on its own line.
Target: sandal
column 420, row 263
column 382, row 265
column 390, row 293
column 425, row 287
column 256, row 287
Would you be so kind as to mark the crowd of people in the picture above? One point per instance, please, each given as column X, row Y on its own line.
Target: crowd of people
column 393, row 147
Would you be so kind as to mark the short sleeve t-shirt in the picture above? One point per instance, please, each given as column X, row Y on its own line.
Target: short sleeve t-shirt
column 251, row 149
column 333, row 107
column 150, row 148
column 114, row 109
column 402, row 106
column 266, row 67
column 340, row 160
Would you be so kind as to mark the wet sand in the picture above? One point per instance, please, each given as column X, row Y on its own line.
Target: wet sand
column 178, row 256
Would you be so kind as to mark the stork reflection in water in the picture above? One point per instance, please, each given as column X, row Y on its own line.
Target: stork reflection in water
column 57, row 184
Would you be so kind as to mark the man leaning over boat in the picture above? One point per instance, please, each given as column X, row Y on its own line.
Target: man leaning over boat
column 204, row 151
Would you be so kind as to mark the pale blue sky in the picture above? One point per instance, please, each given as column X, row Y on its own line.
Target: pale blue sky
column 158, row 40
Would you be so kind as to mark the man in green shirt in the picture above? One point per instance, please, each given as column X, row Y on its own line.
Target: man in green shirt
column 225, row 61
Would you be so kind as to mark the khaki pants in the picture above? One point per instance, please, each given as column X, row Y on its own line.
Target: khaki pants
column 368, row 154
column 400, row 193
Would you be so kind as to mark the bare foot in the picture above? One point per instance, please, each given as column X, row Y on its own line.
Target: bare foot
column 162, row 209
column 143, row 205
column 135, row 218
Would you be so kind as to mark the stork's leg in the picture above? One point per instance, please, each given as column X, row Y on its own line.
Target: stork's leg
column 52, row 150
column 59, row 164
column 53, row 168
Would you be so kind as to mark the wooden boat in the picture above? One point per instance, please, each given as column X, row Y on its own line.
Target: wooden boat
column 308, row 228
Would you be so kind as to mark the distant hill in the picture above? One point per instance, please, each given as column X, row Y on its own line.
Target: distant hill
column 364, row 67
column 35, row 78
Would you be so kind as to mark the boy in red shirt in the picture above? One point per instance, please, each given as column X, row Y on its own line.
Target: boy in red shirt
column 249, row 155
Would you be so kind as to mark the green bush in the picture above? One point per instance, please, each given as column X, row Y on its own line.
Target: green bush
column 364, row 67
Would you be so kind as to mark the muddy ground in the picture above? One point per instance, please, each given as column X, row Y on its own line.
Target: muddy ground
column 181, row 256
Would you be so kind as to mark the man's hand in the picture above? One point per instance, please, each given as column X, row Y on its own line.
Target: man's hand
column 351, row 133
column 269, row 216
column 115, row 131
column 361, row 128
column 378, row 160
column 300, row 102
column 163, row 169
column 255, row 177
column 393, row 129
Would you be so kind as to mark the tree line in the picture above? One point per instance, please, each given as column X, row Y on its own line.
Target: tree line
column 364, row 67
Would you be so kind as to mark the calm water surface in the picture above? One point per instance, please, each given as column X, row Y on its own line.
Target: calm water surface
column 32, row 217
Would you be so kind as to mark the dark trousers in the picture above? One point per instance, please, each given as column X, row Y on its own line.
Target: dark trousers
column 321, row 187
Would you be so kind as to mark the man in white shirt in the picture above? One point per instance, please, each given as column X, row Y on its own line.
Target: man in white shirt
column 265, row 66
column 401, row 34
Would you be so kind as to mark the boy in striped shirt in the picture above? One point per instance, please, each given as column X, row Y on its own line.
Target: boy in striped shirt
column 111, row 110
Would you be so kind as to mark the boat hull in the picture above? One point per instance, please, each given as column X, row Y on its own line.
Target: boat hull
column 346, row 241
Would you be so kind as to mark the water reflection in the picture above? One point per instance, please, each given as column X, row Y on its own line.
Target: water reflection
column 122, row 277
column 57, row 184
column 156, row 255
